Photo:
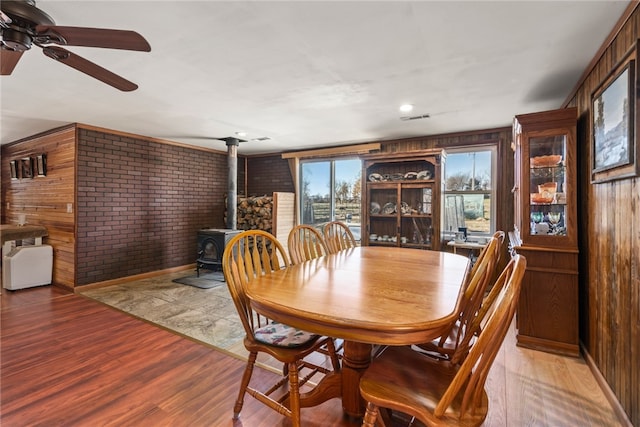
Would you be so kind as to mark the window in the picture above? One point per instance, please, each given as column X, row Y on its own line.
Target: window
column 330, row 190
column 469, row 192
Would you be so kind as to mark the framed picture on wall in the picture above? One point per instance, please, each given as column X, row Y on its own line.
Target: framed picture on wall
column 26, row 166
column 614, row 123
column 41, row 165
column 13, row 165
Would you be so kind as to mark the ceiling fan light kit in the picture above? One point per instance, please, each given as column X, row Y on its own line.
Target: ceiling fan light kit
column 22, row 25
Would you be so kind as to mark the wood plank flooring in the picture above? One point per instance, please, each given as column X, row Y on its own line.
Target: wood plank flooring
column 70, row 361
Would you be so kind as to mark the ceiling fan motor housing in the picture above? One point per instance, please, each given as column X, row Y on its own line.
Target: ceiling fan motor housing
column 22, row 16
column 16, row 40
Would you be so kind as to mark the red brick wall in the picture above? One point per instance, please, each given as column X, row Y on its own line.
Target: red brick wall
column 268, row 174
column 140, row 204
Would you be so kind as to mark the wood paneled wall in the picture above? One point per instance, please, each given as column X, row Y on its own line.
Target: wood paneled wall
column 44, row 200
column 609, row 215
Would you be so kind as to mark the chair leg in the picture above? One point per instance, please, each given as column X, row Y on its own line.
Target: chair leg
column 371, row 416
column 335, row 360
column 246, row 377
column 294, row 394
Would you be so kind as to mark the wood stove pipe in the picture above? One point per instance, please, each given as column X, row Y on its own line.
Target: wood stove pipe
column 232, row 182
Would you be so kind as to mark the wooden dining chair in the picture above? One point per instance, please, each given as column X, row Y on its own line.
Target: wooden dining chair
column 304, row 243
column 455, row 343
column 247, row 256
column 338, row 237
column 438, row 392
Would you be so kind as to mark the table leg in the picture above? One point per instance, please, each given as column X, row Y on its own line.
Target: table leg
column 355, row 360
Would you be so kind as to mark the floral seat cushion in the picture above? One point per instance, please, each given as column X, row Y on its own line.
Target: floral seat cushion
column 282, row 335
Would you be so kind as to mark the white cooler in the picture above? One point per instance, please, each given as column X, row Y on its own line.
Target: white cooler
column 27, row 266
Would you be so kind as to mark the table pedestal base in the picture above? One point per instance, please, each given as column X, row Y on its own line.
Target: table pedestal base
column 356, row 359
column 344, row 384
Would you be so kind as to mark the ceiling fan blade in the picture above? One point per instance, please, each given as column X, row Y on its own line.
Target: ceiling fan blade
column 8, row 61
column 91, row 37
column 88, row 67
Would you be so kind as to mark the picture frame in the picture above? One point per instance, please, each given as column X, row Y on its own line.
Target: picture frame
column 614, row 123
column 13, row 166
column 41, row 165
column 26, row 167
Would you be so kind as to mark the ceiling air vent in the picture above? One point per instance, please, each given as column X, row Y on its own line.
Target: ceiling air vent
column 262, row 138
column 407, row 118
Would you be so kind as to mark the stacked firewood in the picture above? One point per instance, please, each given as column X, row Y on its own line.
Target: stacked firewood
column 254, row 213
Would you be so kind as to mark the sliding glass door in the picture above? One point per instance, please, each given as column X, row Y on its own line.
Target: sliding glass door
column 330, row 190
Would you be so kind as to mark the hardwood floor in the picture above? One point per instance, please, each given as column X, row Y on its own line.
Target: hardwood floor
column 70, row 361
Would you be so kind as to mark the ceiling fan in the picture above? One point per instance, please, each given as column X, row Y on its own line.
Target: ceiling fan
column 22, row 25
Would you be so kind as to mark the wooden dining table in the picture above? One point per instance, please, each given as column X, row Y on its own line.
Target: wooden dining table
column 365, row 295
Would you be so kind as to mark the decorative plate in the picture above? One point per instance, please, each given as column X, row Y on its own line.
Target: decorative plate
column 405, row 208
column 389, row 208
column 375, row 177
column 411, row 175
column 424, row 175
column 375, row 208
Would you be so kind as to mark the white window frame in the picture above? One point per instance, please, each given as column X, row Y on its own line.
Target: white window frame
column 332, row 180
column 493, row 148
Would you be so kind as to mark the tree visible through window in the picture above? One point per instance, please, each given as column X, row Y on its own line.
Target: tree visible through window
column 469, row 193
column 330, row 190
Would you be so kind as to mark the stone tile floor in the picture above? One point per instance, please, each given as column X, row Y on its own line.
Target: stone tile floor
column 205, row 315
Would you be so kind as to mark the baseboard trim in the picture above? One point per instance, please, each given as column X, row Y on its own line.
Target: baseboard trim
column 126, row 279
column 604, row 386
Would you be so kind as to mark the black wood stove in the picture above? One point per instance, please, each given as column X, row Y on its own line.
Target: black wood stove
column 211, row 244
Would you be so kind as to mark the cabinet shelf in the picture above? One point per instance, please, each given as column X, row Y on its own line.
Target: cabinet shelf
column 400, row 181
column 547, row 204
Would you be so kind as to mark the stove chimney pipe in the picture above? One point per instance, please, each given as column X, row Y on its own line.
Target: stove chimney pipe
column 232, row 182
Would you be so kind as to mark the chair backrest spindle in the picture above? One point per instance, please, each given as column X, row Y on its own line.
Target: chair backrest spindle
column 305, row 243
column 338, row 236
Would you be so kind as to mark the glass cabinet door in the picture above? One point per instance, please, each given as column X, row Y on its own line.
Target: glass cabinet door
column 548, row 186
column 416, row 227
column 383, row 215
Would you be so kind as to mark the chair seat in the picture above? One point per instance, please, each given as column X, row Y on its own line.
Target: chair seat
column 393, row 377
column 280, row 335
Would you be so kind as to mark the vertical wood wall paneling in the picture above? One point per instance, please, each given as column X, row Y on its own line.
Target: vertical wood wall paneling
column 44, row 199
column 610, row 233
column 634, row 342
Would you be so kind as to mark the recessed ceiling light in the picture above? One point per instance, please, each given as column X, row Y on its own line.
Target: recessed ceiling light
column 241, row 133
column 405, row 108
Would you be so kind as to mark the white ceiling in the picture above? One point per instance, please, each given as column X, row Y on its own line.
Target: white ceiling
column 310, row 74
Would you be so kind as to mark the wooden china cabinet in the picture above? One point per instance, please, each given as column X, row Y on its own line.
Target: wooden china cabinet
column 402, row 199
column 546, row 230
